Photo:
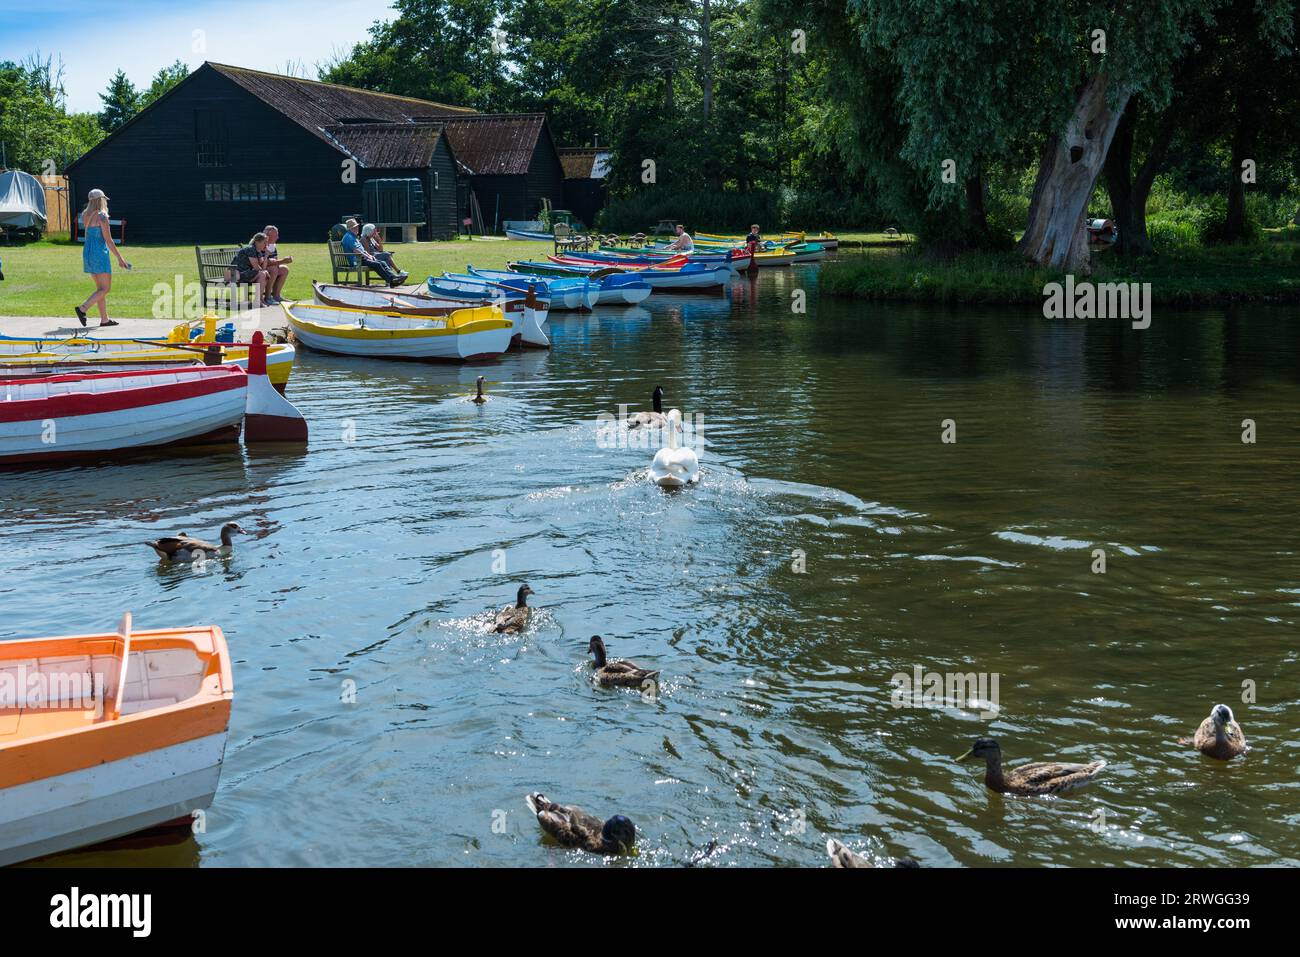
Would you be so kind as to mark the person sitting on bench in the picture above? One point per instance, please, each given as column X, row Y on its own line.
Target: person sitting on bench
column 276, row 264
column 373, row 243
column 357, row 254
column 250, row 266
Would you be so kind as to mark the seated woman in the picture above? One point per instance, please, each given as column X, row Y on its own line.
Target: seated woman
column 251, row 266
column 372, row 242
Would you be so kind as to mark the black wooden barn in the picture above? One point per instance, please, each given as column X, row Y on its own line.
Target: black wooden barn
column 511, row 162
column 230, row 150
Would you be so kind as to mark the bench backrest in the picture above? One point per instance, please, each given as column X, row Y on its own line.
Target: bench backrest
column 214, row 262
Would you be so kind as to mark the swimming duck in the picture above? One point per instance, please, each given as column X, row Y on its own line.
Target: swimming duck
column 182, row 547
column 1041, row 777
column 673, row 465
column 841, row 856
column 479, row 397
column 655, row 419
column 622, row 673
column 512, row 619
column 574, row 827
column 1219, row 735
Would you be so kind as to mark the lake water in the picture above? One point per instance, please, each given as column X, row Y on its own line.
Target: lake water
column 834, row 541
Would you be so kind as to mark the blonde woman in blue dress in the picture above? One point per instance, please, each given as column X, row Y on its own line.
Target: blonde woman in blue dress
column 94, row 256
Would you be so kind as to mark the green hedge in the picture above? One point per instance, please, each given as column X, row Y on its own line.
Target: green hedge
column 730, row 211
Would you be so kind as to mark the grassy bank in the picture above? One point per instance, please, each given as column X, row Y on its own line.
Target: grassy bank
column 45, row 278
column 1261, row 272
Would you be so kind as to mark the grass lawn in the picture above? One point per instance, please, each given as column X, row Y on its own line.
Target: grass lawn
column 45, row 278
column 1260, row 272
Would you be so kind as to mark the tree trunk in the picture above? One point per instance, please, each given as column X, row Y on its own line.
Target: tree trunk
column 1129, row 194
column 1243, row 136
column 975, row 212
column 1056, row 236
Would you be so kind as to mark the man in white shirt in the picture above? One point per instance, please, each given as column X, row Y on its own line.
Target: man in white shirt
column 683, row 243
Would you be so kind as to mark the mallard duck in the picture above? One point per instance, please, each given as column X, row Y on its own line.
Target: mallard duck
column 574, row 827
column 1041, row 777
column 841, row 856
column 1219, row 735
column 514, row 618
column 479, row 398
column 655, row 419
column 674, row 465
column 624, row 673
column 182, row 547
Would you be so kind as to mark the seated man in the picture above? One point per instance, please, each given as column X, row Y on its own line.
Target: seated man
column 374, row 244
column 357, row 254
column 250, row 267
column 683, row 243
column 276, row 264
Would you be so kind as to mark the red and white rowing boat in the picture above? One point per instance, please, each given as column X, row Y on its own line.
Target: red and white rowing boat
column 59, row 417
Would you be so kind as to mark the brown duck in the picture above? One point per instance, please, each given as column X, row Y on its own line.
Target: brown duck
column 182, row 547
column 842, row 857
column 513, row 619
column 1219, row 735
column 623, row 673
column 574, row 827
column 1040, row 777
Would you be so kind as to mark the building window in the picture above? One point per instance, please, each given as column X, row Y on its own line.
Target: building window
column 243, row 192
column 210, row 139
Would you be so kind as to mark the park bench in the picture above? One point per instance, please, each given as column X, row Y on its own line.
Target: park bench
column 116, row 229
column 343, row 267
column 217, row 273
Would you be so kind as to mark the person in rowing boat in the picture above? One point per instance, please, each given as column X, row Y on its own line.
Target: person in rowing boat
column 683, row 243
column 355, row 251
column 753, row 240
column 94, row 256
column 373, row 243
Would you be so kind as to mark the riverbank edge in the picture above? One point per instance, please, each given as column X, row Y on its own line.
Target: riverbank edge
column 1264, row 274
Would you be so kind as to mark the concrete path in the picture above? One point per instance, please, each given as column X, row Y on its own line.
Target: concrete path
column 33, row 327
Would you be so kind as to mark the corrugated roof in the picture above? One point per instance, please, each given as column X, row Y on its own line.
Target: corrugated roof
column 314, row 105
column 494, row 144
column 584, row 162
column 387, row 145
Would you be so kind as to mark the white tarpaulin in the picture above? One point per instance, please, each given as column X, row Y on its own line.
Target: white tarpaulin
column 22, row 200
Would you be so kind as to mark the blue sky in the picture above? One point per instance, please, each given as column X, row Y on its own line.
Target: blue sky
column 95, row 39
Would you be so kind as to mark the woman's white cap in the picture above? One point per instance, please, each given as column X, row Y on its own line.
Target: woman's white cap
column 97, row 194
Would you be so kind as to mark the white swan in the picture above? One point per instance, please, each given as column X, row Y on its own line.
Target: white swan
column 674, row 465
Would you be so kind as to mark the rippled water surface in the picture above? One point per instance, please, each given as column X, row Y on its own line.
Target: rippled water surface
column 375, row 558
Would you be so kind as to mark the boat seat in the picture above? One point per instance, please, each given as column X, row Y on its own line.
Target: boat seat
column 33, row 722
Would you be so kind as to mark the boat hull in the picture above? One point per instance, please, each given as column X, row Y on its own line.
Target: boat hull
column 349, row 332
column 58, row 418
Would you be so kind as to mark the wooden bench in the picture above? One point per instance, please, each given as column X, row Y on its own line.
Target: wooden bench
column 119, row 224
column 343, row 267
column 216, row 272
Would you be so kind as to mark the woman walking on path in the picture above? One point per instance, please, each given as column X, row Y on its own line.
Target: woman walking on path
column 94, row 256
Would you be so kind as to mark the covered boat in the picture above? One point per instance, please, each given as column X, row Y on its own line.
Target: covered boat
column 105, row 735
column 481, row 332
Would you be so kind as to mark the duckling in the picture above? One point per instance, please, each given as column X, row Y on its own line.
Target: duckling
column 511, row 620
column 841, row 856
column 479, row 398
column 655, row 419
column 622, row 673
column 1219, row 735
column 182, row 547
column 1042, row 777
column 574, row 827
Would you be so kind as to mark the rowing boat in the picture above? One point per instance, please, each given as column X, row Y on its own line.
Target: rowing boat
column 108, row 734
column 622, row 289
column 530, row 235
column 681, row 277
column 43, row 356
column 527, row 315
column 481, row 332
column 566, row 295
